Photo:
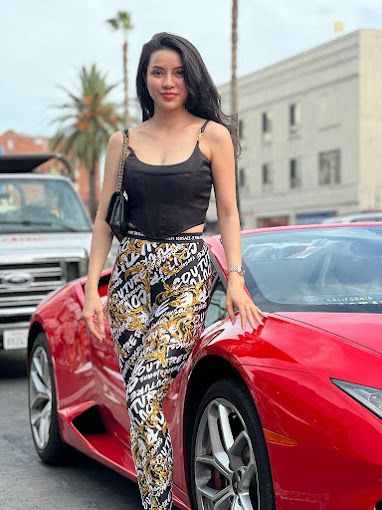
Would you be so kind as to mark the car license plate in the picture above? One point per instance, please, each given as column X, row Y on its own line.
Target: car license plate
column 15, row 339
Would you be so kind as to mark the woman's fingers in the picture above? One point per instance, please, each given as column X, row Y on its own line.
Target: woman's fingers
column 243, row 316
column 231, row 313
column 248, row 311
column 254, row 315
column 95, row 323
column 89, row 324
column 100, row 321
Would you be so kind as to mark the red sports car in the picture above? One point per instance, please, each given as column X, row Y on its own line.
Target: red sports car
column 286, row 417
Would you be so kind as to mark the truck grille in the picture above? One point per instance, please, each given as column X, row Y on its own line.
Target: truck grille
column 23, row 286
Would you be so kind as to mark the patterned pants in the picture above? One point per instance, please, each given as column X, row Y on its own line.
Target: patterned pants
column 157, row 301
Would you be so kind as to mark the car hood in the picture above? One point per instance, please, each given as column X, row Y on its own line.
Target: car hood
column 364, row 329
column 22, row 246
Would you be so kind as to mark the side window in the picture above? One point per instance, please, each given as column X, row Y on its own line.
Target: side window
column 216, row 309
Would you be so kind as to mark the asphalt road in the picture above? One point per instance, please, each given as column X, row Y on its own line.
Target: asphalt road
column 26, row 483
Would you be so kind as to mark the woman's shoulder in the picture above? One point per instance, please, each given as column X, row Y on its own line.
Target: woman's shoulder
column 116, row 138
column 216, row 131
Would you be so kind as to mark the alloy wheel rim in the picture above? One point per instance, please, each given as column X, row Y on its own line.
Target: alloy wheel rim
column 40, row 397
column 226, row 476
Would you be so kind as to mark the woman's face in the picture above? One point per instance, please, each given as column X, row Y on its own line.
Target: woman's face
column 165, row 80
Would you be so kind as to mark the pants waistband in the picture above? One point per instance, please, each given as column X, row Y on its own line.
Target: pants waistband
column 182, row 237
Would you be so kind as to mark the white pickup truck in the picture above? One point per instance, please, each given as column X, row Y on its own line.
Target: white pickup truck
column 45, row 235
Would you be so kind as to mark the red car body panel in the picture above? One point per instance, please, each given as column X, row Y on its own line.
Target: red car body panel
column 325, row 448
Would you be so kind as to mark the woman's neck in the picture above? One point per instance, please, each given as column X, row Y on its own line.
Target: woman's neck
column 171, row 121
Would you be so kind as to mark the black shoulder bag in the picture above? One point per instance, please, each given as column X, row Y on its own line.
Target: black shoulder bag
column 117, row 213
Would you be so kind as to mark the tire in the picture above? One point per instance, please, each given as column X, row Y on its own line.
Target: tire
column 227, row 417
column 42, row 403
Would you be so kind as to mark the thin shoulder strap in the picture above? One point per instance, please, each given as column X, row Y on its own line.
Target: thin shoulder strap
column 204, row 125
column 200, row 134
column 125, row 144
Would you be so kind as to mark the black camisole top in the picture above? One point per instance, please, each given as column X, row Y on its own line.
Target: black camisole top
column 164, row 200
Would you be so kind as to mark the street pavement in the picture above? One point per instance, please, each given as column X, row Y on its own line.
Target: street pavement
column 26, row 483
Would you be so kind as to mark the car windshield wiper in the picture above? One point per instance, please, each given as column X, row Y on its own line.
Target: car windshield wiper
column 28, row 223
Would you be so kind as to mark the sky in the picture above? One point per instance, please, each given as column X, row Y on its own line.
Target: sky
column 45, row 43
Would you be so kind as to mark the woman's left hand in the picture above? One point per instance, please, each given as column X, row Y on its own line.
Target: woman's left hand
column 238, row 298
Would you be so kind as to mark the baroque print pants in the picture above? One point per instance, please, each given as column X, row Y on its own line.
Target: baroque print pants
column 157, row 301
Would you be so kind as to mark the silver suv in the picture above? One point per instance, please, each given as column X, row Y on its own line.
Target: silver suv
column 45, row 236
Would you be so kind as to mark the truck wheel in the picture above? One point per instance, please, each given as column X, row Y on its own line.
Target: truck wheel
column 229, row 465
column 43, row 406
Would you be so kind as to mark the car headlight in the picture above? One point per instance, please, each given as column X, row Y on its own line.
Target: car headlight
column 365, row 395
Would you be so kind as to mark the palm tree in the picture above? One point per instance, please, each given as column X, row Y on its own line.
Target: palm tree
column 122, row 21
column 85, row 129
column 234, row 107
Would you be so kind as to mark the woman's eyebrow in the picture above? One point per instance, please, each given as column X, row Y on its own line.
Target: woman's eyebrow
column 159, row 67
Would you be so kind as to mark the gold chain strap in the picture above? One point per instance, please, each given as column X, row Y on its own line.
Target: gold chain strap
column 122, row 161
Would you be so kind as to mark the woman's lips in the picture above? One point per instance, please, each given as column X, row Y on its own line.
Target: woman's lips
column 169, row 96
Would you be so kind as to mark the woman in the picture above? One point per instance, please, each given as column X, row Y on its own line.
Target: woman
column 161, row 281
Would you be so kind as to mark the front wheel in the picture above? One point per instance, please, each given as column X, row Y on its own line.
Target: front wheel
column 43, row 406
column 229, row 460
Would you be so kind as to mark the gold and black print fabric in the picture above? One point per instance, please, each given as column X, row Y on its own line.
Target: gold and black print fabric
column 157, row 302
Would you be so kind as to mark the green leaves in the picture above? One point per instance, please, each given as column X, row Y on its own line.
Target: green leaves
column 122, row 21
column 87, row 120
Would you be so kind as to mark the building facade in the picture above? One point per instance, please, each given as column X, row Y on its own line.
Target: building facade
column 311, row 134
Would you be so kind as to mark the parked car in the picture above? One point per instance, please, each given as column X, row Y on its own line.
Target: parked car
column 45, row 235
column 288, row 416
column 355, row 217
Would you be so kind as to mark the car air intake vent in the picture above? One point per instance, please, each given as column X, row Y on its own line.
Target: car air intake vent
column 90, row 422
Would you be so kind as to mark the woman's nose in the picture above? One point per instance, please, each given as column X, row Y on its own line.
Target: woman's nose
column 168, row 80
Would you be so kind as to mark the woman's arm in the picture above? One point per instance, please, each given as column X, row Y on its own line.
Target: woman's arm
column 223, row 174
column 102, row 236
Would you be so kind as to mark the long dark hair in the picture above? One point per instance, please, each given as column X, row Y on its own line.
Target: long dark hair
column 203, row 97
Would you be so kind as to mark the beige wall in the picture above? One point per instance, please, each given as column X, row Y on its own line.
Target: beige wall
column 370, row 186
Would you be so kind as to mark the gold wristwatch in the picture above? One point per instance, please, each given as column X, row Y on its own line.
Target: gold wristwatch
column 236, row 269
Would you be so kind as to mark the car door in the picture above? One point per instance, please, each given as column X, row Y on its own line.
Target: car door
column 111, row 390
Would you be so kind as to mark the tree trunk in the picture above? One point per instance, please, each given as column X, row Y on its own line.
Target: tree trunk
column 92, row 200
column 125, row 85
column 234, row 106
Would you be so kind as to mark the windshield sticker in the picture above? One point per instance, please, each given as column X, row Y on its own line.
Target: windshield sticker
column 367, row 299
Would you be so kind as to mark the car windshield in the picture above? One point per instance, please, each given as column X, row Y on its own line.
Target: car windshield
column 335, row 269
column 40, row 205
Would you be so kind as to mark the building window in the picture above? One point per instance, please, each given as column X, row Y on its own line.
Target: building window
column 294, row 173
column 329, row 167
column 273, row 221
column 241, row 177
column 266, row 126
column 267, row 176
column 294, row 117
column 10, row 144
column 241, row 129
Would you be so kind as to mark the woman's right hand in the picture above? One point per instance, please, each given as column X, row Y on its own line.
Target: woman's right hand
column 93, row 315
